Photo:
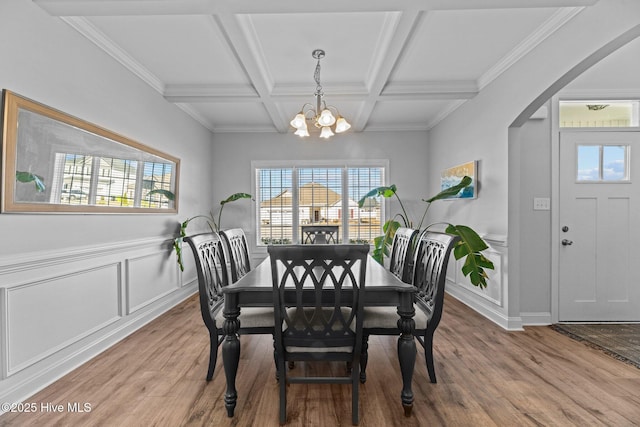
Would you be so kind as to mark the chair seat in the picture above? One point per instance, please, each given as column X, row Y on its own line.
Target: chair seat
column 387, row 318
column 251, row 317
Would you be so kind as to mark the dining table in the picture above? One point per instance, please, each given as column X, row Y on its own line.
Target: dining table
column 255, row 289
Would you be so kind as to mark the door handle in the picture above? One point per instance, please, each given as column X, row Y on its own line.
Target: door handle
column 567, row 242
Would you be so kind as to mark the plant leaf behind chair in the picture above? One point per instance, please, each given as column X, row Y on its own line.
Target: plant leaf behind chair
column 469, row 247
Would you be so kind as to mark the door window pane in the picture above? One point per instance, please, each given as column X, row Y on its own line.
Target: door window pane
column 602, row 163
column 613, row 163
column 588, row 163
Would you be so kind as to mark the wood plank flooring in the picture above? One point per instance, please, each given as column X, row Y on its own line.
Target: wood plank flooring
column 486, row 377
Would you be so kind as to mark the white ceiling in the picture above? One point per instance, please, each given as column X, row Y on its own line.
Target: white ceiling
column 246, row 65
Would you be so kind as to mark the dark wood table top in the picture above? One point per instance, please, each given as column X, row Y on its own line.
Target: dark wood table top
column 380, row 286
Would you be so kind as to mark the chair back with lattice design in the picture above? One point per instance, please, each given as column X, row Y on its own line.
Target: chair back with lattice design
column 238, row 252
column 402, row 253
column 318, row 293
column 212, row 273
column 320, row 234
column 430, row 272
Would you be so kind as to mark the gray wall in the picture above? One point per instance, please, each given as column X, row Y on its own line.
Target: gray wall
column 71, row 285
column 534, row 140
column 407, row 153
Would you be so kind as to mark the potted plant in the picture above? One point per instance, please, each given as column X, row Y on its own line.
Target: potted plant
column 211, row 222
column 31, row 177
column 470, row 245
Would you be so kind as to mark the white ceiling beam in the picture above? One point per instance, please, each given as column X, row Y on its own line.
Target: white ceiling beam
column 211, row 7
column 398, row 31
column 452, row 89
column 242, row 40
column 208, row 93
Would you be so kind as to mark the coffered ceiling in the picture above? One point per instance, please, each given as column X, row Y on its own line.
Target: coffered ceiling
column 246, row 65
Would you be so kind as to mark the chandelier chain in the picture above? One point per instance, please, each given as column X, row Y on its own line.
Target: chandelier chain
column 316, row 76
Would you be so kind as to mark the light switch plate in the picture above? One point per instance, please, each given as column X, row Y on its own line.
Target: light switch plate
column 541, row 204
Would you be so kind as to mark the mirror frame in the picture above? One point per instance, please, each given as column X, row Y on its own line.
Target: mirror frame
column 12, row 104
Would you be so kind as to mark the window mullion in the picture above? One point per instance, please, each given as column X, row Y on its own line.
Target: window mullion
column 93, row 183
column 295, row 205
column 345, row 205
column 601, row 163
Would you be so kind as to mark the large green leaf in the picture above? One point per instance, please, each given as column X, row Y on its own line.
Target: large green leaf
column 451, row 191
column 236, row 196
column 31, row 177
column 385, row 192
column 469, row 247
column 177, row 243
column 166, row 193
column 382, row 244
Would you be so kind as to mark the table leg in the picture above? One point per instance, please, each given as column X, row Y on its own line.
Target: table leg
column 406, row 351
column 231, row 350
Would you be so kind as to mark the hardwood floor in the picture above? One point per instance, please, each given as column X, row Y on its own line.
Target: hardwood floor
column 486, row 377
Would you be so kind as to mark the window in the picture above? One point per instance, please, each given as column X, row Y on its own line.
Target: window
column 116, row 182
column 599, row 113
column 602, row 163
column 291, row 197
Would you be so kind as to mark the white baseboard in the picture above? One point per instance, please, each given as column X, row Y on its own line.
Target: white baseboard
column 483, row 307
column 536, row 319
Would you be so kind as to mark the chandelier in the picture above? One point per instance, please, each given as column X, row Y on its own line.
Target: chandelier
column 323, row 116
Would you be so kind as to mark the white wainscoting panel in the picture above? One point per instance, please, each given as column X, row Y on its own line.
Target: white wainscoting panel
column 493, row 291
column 60, row 308
column 149, row 278
column 43, row 316
column 491, row 302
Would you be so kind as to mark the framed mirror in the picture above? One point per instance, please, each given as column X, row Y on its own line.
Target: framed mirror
column 54, row 162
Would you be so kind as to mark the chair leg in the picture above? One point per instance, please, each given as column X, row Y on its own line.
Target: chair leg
column 283, row 391
column 364, row 357
column 275, row 359
column 428, row 355
column 213, row 354
column 354, row 395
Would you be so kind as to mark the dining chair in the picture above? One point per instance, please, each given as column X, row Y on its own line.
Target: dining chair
column 238, row 250
column 320, row 234
column 401, row 253
column 318, row 292
column 212, row 277
column 430, row 261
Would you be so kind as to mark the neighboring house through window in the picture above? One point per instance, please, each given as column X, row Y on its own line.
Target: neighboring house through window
column 292, row 196
column 105, row 181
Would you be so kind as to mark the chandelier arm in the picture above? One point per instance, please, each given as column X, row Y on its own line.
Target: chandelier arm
column 331, row 107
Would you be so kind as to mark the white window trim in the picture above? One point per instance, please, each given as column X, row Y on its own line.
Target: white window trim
column 298, row 164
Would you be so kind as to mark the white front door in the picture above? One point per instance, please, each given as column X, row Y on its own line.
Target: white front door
column 599, row 256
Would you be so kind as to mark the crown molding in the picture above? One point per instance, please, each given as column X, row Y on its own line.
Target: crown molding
column 550, row 26
column 97, row 37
